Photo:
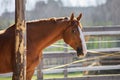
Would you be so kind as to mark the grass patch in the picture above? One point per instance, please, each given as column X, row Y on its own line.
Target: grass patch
column 75, row 74
column 5, row 78
column 49, row 76
column 61, row 75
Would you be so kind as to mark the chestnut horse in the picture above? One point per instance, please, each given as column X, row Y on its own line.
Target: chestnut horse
column 41, row 34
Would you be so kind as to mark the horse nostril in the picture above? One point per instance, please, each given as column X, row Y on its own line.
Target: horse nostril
column 79, row 51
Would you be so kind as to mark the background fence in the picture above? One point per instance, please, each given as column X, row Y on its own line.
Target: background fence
column 100, row 41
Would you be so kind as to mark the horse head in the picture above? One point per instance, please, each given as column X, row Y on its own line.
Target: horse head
column 73, row 35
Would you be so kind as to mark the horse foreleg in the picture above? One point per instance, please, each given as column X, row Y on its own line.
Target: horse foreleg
column 31, row 66
column 29, row 75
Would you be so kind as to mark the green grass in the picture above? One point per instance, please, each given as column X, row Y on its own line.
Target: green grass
column 48, row 76
column 5, row 78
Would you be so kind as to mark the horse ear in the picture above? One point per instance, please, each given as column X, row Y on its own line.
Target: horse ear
column 72, row 16
column 79, row 17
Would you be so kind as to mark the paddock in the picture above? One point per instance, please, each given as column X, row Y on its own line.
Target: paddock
column 65, row 61
column 50, row 66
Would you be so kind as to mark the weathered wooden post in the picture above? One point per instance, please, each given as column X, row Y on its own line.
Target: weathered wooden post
column 39, row 70
column 65, row 68
column 65, row 49
column 19, row 72
column 65, row 72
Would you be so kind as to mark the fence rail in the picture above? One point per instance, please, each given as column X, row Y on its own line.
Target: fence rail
column 79, row 69
column 102, row 28
column 67, row 56
column 111, row 31
column 102, row 77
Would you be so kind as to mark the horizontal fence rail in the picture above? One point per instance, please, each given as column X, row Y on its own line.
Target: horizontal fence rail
column 107, row 31
column 102, row 30
column 89, row 68
column 102, row 77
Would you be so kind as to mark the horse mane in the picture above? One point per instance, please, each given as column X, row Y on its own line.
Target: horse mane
column 49, row 20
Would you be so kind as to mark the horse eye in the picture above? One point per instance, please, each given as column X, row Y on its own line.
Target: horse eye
column 73, row 31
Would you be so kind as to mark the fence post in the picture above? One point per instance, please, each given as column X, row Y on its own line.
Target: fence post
column 100, row 44
column 39, row 70
column 19, row 72
column 65, row 72
column 65, row 49
column 65, row 68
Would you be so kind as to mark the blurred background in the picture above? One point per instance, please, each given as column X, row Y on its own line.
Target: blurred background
column 95, row 12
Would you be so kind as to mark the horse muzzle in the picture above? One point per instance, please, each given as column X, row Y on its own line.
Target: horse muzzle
column 80, row 52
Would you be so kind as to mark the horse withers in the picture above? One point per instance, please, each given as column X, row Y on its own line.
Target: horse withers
column 41, row 34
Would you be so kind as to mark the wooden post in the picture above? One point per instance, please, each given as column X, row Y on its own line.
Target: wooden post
column 65, row 49
column 39, row 70
column 19, row 72
column 65, row 72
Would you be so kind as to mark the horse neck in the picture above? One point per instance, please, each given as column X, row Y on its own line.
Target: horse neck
column 47, row 33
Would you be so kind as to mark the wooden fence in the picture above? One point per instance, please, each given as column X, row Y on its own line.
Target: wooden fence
column 103, row 77
column 52, row 59
column 68, row 56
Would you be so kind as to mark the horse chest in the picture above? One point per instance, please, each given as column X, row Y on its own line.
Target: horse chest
column 32, row 61
column 5, row 64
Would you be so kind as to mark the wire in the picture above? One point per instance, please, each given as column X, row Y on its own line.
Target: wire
column 91, row 51
column 87, row 59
